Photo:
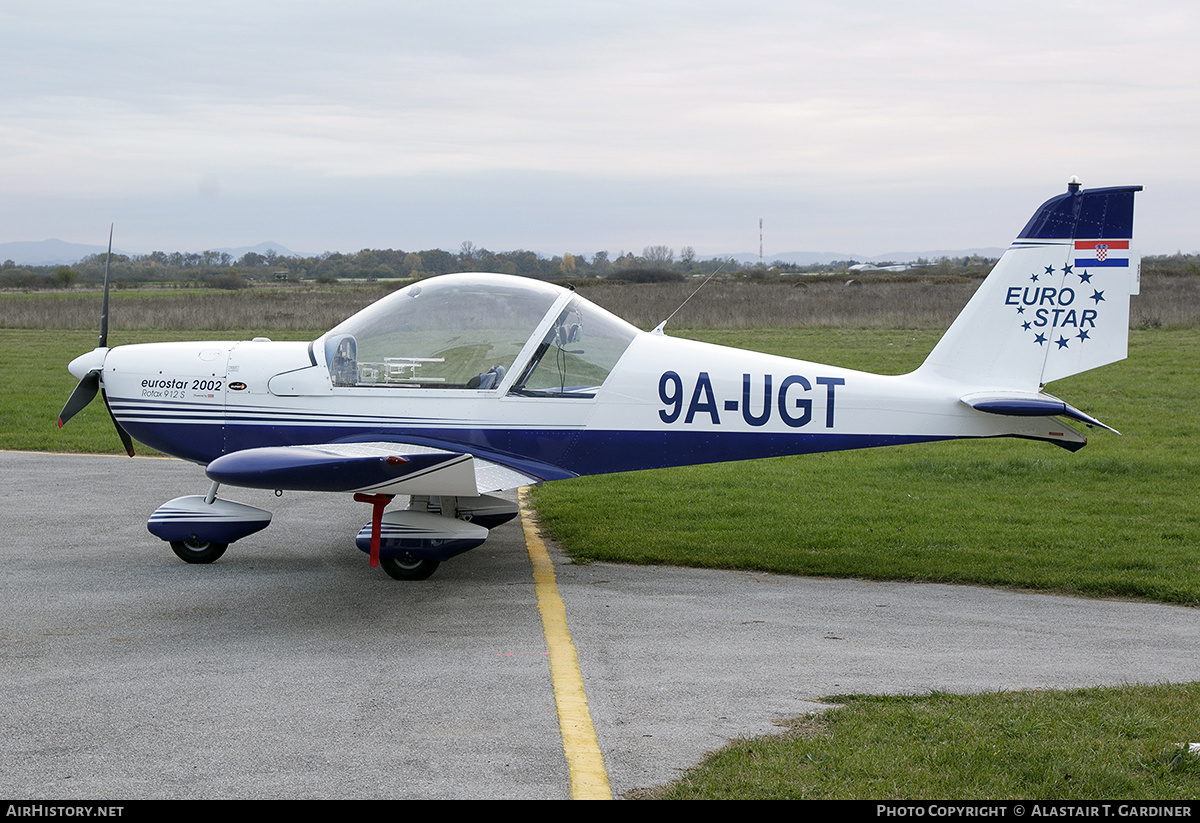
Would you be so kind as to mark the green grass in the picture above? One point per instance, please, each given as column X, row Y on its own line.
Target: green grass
column 1118, row 743
column 1118, row 518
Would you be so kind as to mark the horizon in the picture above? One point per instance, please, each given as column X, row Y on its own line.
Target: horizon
column 63, row 247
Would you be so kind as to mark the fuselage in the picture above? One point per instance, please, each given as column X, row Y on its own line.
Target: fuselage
column 667, row 402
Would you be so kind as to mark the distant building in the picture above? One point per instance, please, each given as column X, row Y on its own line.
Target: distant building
column 873, row 267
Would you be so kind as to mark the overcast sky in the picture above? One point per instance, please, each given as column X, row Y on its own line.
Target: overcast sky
column 865, row 127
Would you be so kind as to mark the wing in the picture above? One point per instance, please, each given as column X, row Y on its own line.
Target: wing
column 381, row 468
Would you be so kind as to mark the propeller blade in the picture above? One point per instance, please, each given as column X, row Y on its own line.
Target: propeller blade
column 86, row 390
column 104, row 300
column 126, row 440
column 84, row 393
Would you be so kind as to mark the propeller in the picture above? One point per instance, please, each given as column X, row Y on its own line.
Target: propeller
column 89, row 384
column 84, row 393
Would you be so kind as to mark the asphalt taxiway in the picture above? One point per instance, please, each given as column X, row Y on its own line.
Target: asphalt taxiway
column 289, row 669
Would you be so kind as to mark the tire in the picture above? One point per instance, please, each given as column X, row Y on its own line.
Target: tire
column 408, row 569
column 197, row 551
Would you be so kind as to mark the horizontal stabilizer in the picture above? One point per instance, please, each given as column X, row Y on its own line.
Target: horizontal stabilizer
column 385, row 468
column 1028, row 404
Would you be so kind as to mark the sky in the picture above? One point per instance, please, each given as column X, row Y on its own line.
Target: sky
column 866, row 127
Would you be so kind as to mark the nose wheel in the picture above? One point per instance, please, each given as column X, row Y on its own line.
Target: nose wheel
column 200, row 528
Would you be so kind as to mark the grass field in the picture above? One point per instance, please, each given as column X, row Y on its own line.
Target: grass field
column 1116, row 519
column 1120, row 743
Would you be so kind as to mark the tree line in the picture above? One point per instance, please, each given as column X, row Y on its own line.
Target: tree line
column 222, row 270
column 213, row 269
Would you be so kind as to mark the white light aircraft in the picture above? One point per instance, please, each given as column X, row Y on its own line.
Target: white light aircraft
column 455, row 388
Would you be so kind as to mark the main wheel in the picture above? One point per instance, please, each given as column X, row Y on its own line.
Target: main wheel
column 198, row 551
column 398, row 569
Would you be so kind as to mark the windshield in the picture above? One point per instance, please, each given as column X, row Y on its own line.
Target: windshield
column 466, row 331
column 577, row 353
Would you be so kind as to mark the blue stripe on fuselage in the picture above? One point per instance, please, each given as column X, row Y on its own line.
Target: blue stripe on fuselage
column 548, row 454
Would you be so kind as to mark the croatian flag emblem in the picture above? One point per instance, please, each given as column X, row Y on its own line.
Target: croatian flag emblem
column 1096, row 253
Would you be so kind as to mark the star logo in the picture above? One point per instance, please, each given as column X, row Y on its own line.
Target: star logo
column 1098, row 296
column 1083, row 335
column 1040, row 339
column 1033, row 277
column 1067, row 269
column 1026, row 325
column 1061, row 341
column 1085, row 277
column 1049, row 269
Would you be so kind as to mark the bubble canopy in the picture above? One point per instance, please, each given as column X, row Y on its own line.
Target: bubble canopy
column 472, row 331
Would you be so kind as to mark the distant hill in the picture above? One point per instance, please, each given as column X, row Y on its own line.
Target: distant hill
column 261, row 248
column 48, row 252
column 810, row 258
column 910, row 256
column 62, row 253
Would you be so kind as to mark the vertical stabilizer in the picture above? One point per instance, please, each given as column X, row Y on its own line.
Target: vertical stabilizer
column 1056, row 304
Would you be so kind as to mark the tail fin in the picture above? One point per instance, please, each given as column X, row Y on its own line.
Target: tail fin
column 1056, row 304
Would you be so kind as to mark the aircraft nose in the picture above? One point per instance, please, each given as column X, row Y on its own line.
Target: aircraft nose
column 85, row 363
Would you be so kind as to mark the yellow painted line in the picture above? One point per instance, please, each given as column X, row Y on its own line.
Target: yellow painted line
column 585, row 763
